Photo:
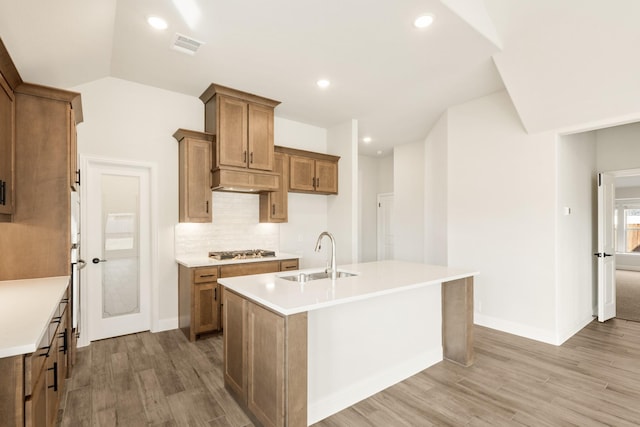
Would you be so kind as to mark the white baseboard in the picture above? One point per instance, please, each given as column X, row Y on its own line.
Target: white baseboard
column 342, row 399
column 542, row 335
column 165, row 324
column 514, row 328
column 575, row 329
column 627, row 267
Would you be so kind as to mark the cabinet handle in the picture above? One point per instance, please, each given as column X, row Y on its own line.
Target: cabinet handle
column 207, row 275
column 313, row 182
column 65, row 343
column 273, row 209
column 3, row 192
column 207, row 206
column 317, row 182
column 78, row 176
column 251, row 161
column 54, row 368
column 244, row 156
column 215, row 294
column 46, row 353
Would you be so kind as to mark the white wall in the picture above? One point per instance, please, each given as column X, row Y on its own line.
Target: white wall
column 577, row 233
column 435, row 194
column 385, row 174
column 125, row 120
column 408, row 209
column 342, row 140
column 618, row 148
column 502, row 215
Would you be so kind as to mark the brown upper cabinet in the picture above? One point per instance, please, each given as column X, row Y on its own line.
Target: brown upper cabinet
column 274, row 204
column 194, row 175
column 243, row 125
column 311, row 172
column 9, row 80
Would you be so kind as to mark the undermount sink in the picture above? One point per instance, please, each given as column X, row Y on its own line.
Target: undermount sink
column 307, row 277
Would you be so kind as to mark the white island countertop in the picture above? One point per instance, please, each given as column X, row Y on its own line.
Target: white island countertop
column 26, row 308
column 205, row 261
column 372, row 279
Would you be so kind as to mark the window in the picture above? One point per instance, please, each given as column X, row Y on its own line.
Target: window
column 627, row 226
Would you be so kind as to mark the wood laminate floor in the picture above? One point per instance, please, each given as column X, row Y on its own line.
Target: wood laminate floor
column 163, row 380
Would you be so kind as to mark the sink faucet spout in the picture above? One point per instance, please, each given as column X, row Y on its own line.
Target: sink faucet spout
column 334, row 270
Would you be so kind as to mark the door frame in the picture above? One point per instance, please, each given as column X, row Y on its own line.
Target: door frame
column 86, row 163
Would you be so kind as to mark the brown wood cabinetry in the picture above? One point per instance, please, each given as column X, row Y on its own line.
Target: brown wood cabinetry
column 194, row 175
column 274, row 205
column 7, row 147
column 266, row 361
column 31, row 385
column 311, row 172
column 200, row 296
column 243, row 125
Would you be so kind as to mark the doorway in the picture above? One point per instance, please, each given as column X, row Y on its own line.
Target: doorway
column 118, row 246
column 627, row 229
column 385, row 226
column 624, row 224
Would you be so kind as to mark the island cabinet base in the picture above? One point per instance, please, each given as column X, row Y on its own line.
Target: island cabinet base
column 457, row 321
column 265, row 362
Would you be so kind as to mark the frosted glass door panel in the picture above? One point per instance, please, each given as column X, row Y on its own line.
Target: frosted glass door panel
column 120, row 232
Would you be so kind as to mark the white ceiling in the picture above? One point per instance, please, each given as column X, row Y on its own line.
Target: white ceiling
column 564, row 62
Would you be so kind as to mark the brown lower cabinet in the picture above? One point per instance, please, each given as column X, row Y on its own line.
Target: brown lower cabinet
column 31, row 385
column 265, row 361
column 200, row 295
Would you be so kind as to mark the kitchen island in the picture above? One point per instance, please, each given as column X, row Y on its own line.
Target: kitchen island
column 296, row 353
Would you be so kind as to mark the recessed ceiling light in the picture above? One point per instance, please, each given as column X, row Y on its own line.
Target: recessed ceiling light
column 157, row 23
column 366, row 139
column 323, row 84
column 423, row 21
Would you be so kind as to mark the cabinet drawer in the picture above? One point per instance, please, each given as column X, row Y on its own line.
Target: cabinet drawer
column 288, row 264
column 206, row 274
column 249, row 268
column 34, row 363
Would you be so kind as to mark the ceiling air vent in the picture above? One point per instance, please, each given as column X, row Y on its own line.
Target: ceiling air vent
column 185, row 44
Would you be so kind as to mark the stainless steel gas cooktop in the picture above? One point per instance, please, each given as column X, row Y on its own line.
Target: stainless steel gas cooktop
column 243, row 254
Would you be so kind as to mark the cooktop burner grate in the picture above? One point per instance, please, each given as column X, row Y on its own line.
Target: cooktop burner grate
column 243, row 254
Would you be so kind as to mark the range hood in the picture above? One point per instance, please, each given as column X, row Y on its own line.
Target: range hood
column 240, row 180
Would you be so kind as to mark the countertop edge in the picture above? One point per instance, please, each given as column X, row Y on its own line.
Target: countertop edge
column 239, row 289
column 192, row 261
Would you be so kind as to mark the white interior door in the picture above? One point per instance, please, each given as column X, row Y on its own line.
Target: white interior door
column 606, row 247
column 117, row 248
column 385, row 226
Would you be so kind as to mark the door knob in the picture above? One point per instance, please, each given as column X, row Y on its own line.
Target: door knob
column 97, row 260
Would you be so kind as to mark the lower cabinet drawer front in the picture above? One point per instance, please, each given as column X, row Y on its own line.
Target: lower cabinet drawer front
column 34, row 364
column 35, row 406
column 289, row 264
column 248, row 268
column 205, row 274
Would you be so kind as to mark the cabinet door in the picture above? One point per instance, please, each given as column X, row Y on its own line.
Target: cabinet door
column 73, row 150
column 266, row 365
column 54, row 381
column 232, row 132
column 206, row 311
column 35, row 406
column 260, row 137
column 235, row 357
column 7, row 144
column 195, row 185
column 326, row 177
column 301, row 173
column 274, row 205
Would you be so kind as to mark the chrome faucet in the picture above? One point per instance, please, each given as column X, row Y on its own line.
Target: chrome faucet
column 334, row 270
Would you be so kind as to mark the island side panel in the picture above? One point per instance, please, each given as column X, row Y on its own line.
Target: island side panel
column 457, row 321
column 296, row 355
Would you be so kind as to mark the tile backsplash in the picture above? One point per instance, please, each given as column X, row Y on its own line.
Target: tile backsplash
column 235, row 226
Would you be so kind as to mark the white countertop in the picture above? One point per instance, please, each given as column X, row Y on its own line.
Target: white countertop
column 373, row 279
column 205, row 261
column 26, row 307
